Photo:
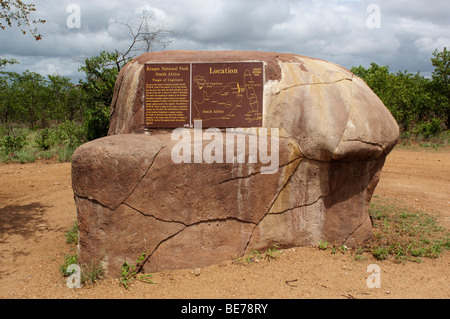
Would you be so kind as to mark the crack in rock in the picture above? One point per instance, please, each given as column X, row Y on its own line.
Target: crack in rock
column 299, row 206
column 274, row 201
column 142, row 177
column 130, row 192
column 309, row 84
column 185, row 228
column 147, row 258
column 203, row 221
column 257, row 173
column 366, row 142
column 357, row 227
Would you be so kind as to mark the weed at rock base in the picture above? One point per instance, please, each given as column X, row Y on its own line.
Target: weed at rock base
column 400, row 233
column 131, row 272
column 269, row 254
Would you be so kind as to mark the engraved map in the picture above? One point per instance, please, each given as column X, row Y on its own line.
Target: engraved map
column 228, row 94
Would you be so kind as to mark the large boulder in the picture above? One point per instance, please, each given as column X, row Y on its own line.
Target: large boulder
column 332, row 114
column 132, row 197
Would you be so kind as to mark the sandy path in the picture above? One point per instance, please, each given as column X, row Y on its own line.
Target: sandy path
column 37, row 207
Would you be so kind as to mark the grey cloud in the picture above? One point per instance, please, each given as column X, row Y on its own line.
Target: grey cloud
column 435, row 11
column 332, row 30
column 231, row 22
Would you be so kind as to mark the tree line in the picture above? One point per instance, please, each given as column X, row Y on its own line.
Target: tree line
column 420, row 105
column 79, row 112
column 48, row 111
column 36, row 101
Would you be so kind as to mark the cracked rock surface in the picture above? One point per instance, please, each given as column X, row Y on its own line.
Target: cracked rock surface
column 131, row 198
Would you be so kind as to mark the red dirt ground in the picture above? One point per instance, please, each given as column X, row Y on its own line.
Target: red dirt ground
column 37, row 208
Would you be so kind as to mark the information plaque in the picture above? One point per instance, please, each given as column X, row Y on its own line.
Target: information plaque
column 221, row 95
column 167, row 95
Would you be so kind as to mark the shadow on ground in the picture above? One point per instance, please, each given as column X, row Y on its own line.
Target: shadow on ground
column 22, row 220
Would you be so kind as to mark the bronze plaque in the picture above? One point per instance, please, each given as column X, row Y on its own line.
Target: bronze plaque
column 167, row 95
column 228, row 94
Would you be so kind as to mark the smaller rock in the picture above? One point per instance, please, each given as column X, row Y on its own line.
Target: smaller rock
column 197, row 271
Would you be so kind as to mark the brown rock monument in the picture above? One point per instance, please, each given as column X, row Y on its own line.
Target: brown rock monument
column 152, row 187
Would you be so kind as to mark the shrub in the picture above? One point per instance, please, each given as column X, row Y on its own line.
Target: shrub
column 96, row 121
column 44, row 140
column 70, row 134
column 13, row 140
column 429, row 129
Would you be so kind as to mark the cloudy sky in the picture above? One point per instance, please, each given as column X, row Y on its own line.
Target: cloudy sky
column 400, row 33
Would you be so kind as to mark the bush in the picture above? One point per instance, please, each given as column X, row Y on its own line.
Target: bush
column 13, row 140
column 429, row 129
column 70, row 134
column 97, row 121
column 65, row 153
column 44, row 140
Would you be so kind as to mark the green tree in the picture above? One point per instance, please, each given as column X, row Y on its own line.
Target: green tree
column 76, row 104
column 101, row 74
column 6, row 106
column 377, row 78
column 5, row 101
column 29, row 97
column 441, row 82
column 441, row 73
column 63, row 98
column 419, row 104
column 410, row 99
column 102, row 71
column 18, row 12
column 4, row 62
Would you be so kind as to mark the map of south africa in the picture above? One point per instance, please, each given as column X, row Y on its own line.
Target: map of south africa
column 222, row 94
column 223, row 101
